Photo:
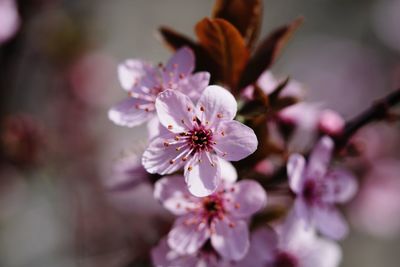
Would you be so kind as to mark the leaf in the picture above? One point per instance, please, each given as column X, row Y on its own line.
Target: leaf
column 226, row 48
column 174, row 39
column 245, row 15
column 267, row 52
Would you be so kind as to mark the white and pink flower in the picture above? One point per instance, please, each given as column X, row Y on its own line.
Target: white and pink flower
column 144, row 82
column 198, row 138
column 220, row 218
column 319, row 188
column 291, row 245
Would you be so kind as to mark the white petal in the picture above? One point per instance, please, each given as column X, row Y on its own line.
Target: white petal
column 175, row 111
column 202, row 176
column 188, row 234
column 320, row 158
column 295, row 171
column 231, row 239
column 157, row 157
column 234, row 140
column 127, row 114
column 172, row 192
column 216, row 104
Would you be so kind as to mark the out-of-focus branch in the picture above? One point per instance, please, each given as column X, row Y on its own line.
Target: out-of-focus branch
column 378, row 111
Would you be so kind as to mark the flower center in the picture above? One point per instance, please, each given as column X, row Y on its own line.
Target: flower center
column 213, row 207
column 312, row 192
column 201, row 139
column 284, row 259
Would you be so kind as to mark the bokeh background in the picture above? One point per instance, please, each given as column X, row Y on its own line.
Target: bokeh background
column 58, row 79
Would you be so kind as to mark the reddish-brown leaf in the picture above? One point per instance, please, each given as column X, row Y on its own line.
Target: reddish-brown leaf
column 245, row 15
column 226, row 48
column 267, row 52
column 174, row 39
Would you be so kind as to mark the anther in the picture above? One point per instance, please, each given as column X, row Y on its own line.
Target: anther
column 170, row 127
column 166, row 144
column 190, row 168
column 219, row 116
column 171, row 161
column 201, row 108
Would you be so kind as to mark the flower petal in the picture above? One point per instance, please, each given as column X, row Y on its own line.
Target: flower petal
column 175, row 111
column 194, row 84
column 231, row 239
column 182, row 62
column 341, row 186
column 127, row 114
column 320, row 158
column 246, row 198
column 263, row 246
column 228, row 171
column 188, row 234
column 322, row 253
column 234, row 140
column 172, row 192
column 295, row 171
column 216, row 104
column 157, row 157
column 331, row 223
column 202, row 176
column 155, row 128
column 133, row 71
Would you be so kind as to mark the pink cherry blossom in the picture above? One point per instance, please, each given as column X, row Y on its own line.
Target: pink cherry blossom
column 163, row 256
column 220, row 217
column 198, row 137
column 144, row 82
column 127, row 173
column 292, row 245
column 319, row 188
column 9, row 19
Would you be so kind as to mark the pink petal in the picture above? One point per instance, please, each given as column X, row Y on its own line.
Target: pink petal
column 231, row 239
column 188, row 234
column 246, row 198
column 172, row 192
column 155, row 128
column 234, row 140
column 175, row 111
column 216, row 104
column 9, row 20
column 228, row 172
column 127, row 173
column 133, row 71
column 295, row 172
column 303, row 211
column 163, row 256
column 157, row 157
column 182, row 62
column 331, row 223
column 263, row 246
column 202, row 176
column 127, row 114
column 322, row 253
column 330, row 122
column 194, row 84
column 341, row 186
column 320, row 158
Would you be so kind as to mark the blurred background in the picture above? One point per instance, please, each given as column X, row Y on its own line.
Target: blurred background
column 58, row 78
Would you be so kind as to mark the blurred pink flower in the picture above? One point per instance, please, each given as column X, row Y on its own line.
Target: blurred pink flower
column 291, row 246
column 376, row 209
column 198, row 137
column 319, row 188
column 163, row 256
column 127, row 173
column 330, row 122
column 144, row 82
column 9, row 20
column 220, row 217
column 268, row 83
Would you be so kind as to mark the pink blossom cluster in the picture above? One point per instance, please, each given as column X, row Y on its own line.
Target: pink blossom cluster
column 193, row 138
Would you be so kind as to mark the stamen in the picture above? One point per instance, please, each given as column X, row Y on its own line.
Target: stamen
column 202, row 108
column 170, row 127
column 219, row 116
